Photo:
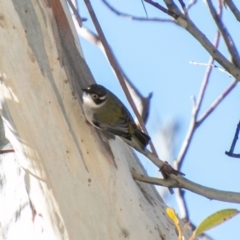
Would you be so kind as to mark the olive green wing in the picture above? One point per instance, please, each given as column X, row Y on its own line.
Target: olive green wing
column 119, row 125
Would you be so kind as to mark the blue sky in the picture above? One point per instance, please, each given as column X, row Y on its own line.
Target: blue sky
column 156, row 57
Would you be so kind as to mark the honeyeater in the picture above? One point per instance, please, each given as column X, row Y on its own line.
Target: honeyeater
column 105, row 111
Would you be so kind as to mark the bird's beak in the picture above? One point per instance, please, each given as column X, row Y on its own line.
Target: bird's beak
column 85, row 90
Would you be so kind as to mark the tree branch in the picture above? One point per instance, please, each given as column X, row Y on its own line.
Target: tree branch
column 162, row 9
column 195, row 111
column 201, row 38
column 79, row 19
column 131, row 17
column 211, row 65
column 183, row 6
column 224, row 31
column 191, row 4
column 181, row 182
column 195, row 32
column 217, row 102
column 155, row 181
column 234, row 155
column 233, row 8
column 230, row 153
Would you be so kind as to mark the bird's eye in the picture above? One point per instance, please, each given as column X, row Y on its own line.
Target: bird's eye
column 94, row 96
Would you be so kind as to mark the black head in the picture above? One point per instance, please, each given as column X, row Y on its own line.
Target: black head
column 97, row 92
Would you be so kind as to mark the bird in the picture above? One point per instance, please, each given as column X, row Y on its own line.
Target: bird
column 105, row 111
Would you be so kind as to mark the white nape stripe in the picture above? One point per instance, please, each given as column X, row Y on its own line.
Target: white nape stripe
column 103, row 97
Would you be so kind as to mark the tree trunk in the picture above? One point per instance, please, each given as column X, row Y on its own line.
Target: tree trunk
column 65, row 180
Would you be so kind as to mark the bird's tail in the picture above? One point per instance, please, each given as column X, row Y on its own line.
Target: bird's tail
column 142, row 138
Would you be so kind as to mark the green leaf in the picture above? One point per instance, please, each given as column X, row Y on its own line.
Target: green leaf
column 214, row 220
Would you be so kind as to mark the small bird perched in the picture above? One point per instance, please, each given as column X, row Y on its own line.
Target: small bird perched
column 105, row 111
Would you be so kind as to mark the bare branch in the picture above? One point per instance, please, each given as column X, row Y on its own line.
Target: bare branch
column 131, row 17
column 79, row 19
column 230, row 153
column 183, row 6
column 81, row 30
column 90, row 36
column 163, row 9
column 181, row 182
column 182, row 205
column 151, row 180
column 234, row 155
column 6, row 151
column 196, row 108
column 233, row 8
column 173, row 7
column 212, row 65
column 219, row 57
column 194, row 124
column 191, row 4
column 206, row 78
column 224, row 31
column 210, row 193
column 142, row 103
column 200, row 37
column 217, row 102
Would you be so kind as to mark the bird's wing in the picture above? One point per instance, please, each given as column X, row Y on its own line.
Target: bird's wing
column 119, row 127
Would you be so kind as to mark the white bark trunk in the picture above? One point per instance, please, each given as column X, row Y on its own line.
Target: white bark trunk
column 70, row 183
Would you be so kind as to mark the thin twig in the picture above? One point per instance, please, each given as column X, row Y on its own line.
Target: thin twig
column 173, row 7
column 116, row 68
column 142, row 103
column 212, row 65
column 235, row 138
column 83, row 31
column 196, row 108
column 182, row 204
column 183, row 6
column 191, row 4
column 79, row 19
column 206, row 79
column 219, row 57
column 131, row 17
column 233, row 155
column 163, row 9
column 145, row 10
column 217, row 102
column 6, row 151
column 224, row 31
column 230, row 153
